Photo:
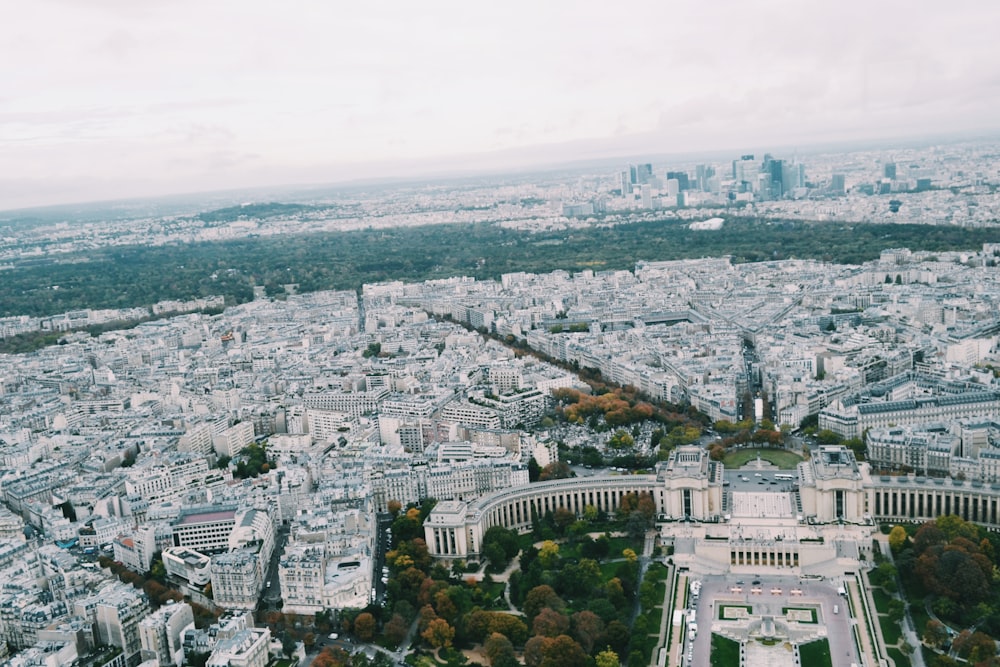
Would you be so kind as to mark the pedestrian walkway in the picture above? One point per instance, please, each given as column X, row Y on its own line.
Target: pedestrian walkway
column 759, row 655
column 758, row 504
column 676, row 638
column 869, row 656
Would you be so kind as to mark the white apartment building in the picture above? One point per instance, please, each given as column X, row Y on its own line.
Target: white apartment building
column 354, row 403
column 852, row 420
column 199, row 438
column 135, row 547
column 188, row 564
column 909, row 449
column 248, row 648
column 253, row 528
column 204, row 529
column 520, row 409
column 411, row 433
column 155, row 479
column 101, row 531
column 347, row 582
column 161, row 634
column 119, row 609
column 301, row 573
column 505, row 379
column 328, row 425
column 471, row 415
column 231, row 441
column 237, row 579
column 470, row 479
column 285, row 443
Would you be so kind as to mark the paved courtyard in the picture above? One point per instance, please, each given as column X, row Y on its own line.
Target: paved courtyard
column 771, row 595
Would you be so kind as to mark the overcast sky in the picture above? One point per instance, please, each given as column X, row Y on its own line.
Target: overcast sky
column 114, row 98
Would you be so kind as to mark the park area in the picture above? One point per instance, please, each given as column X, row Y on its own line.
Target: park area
column 782, row 458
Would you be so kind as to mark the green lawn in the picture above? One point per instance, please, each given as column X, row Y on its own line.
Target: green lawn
column 657, row 572
column 619, row 544
column 726, row 652
column 570, row 549
column 898, row 657
column 919, row 615
column 783, row 459
column 608, row 570
column 881, row 600
column 815, row 654
column 890, row 630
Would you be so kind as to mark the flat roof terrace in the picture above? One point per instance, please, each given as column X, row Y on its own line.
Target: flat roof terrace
column 206, row 517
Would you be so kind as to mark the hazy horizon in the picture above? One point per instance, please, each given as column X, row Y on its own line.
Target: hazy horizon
column 123, row 101
column 445, row 171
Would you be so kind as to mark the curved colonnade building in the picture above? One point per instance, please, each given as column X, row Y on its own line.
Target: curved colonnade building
column 821, row 523
column 689, row 482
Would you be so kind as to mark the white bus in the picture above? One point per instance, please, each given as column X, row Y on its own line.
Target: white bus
column 784, row 477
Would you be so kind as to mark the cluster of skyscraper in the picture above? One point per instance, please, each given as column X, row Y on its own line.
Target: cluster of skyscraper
column 764, row 180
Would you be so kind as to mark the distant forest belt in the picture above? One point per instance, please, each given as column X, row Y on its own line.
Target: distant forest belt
column 119, row 277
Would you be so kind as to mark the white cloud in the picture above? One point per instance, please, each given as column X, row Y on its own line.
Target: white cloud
column 137, row 98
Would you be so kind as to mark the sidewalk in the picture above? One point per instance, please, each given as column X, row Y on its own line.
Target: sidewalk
column 862, row 618
column 674, row 649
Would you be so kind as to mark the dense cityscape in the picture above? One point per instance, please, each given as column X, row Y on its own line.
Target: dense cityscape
column 425, row 471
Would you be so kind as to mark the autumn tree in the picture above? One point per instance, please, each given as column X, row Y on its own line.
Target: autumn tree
column 550, row 623
column 897, row 538
column 607, row 658
column 395, row 630
column 439, row 633
column 954, row 526
column 539, row 598
column 616, row 636
column 975, row 646
column 562, row 651
column 364, row 626
column 409, row 583
column 534, row 651
column 480, row 624
column 555, row 470
column 935, row 633
column 615, row 592
column 512, row 627
column 498, row 649
column 958, row 571
column 587, row 627
column 332, row 656
column 428, row 589
column 445, row 606
column 621, row 439
column 427, row 614
column 548, row 553
column 562, row 518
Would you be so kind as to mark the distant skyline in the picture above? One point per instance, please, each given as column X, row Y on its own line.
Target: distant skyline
column 111, row 99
